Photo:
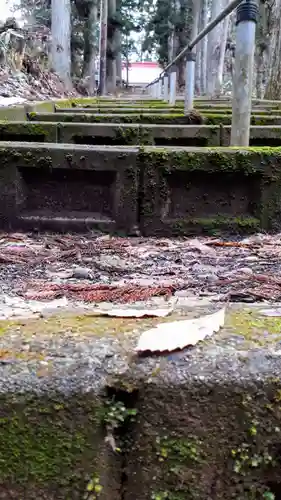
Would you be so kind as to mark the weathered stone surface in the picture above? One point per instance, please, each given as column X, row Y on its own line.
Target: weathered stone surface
column 237, row 191
column 107, row 133
column 12, row 113
column 205, row 421
column 214, row 118
column 28, row 132
column 54, row 186
column 111, row 134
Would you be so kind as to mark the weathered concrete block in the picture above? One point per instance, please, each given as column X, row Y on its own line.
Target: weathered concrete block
column 25, row 131
column 52, row 443
column 104, row 134
column 202, row 423
column 238, row 191
column 47, row 106
column 122, row 110
column 159, row 135
column 12, row 113
column 178, row 118
column 134, row 134
column 107, row 133
column 60, row 187
column 149, row 118
column 260, row 135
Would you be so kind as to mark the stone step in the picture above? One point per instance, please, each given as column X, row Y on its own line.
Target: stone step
column 171, row 191
column 157, row 135
column 201, row 423
column 62, row 187
column 161, row 104
column 144, row 111
column 179, row 118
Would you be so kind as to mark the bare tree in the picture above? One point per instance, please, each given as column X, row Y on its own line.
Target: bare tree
column 61, row 31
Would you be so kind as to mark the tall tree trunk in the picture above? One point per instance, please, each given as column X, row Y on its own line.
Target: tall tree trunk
column 262, row 47
column 222, row 47
column 111, row 47
column 103, row 46
column 90, row 49
column 118, row 48
column 61, row 32
column 119, row 57
column 171, row 43
column 214, row 38
column 196, row 8
column 203, row 48
column 273, row 87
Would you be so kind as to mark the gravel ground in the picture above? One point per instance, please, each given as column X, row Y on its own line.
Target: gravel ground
column 93, row 268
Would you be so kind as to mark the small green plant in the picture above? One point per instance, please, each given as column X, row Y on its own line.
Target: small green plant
column 162, row 495
column 116, row 414
column 268, row 495
column 93, row 489
column 244, row 459
column 181, row 450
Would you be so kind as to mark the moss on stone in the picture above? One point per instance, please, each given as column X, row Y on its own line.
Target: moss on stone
column 48, row 131
column 257, row 329
column 215, row 225
column 49, row 444
column 12, row 113
column 81, row 326
column 262, row 163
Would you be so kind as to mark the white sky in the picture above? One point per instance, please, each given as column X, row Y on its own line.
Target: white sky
column 5, row 9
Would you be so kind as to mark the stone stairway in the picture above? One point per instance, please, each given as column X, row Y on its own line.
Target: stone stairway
column 136, row 165
column 82, row 417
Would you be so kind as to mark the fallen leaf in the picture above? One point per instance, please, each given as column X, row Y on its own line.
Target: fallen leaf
column 64, row 274
column 180, row 334
column 273, row 313
column 202, row 248
column 134, row 313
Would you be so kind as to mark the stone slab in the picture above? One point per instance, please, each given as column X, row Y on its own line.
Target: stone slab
column 187, row 190
column 26, row 131
column 150, row 118
column 157, row 135
column 54, row 186
column 201, row 423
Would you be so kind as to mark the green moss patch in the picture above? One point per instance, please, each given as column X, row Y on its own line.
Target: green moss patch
column 160, row 165
column 21, row 130
column 49, row 445
column 79, row 326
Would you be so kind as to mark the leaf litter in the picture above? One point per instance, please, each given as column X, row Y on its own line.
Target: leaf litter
column 94, row 268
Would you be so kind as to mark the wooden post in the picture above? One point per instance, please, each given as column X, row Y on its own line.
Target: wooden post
column 247, row 16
